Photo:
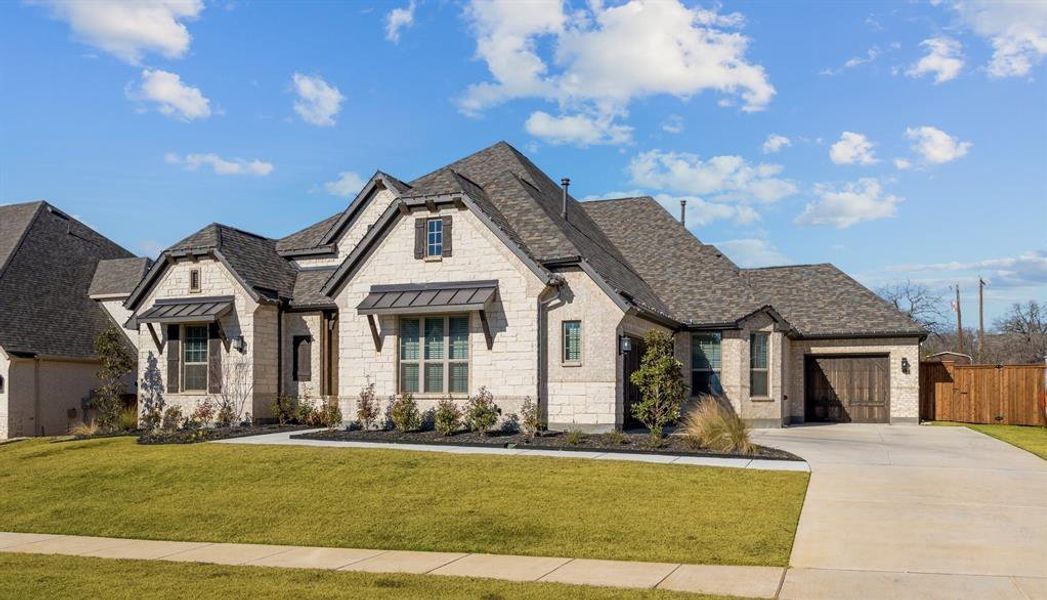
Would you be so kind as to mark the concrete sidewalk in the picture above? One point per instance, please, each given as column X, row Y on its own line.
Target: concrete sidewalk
column 748, row 582
column 285, row 439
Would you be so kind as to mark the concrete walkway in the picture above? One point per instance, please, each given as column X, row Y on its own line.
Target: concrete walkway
column 285, row 439
column 916, row 512
column 750, row 582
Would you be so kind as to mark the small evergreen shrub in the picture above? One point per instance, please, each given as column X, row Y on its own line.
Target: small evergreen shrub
column 330, row 413
column 367, row 408
column 285, row 409
column 448, row 417
column 305, row 411
column 115, row 361
column 530, row 419
column 660, row 379
column 404, row 413
column 172, row 419
column 153, row 416
column 481, row 413
column 712, row 425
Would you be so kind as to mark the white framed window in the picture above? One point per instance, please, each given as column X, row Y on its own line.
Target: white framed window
column 194, row 358
column 434, row 354
column 572, row 342
column 759, row 359
column 705, row 363
column 434, row 237
column 194, row 280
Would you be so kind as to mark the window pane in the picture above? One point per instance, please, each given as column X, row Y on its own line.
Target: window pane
column 434, row 377
column 434, row 338
column 195, row 377
column 434, row 237
column 572, row 340
column 758, row 383
column 758, row 350
column 705, row 351
column 408, row 339
column 705, row 382
column 409, row 377
column 195, row 344
column 459, row 338
column 459, row 378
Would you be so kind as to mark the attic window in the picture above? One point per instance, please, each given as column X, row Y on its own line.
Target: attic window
column 194, row 280
column 434, row 237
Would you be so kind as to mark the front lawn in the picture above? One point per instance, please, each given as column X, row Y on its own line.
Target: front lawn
column 1033, row 439
column 392, row 499
column 74, row 578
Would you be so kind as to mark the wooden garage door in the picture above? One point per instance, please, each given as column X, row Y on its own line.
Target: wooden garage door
column 847, row 389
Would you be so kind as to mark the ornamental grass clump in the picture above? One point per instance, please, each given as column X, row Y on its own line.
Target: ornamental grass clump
column 481, row 413
column 448, row 417
column 712, row 425
column 404, row 413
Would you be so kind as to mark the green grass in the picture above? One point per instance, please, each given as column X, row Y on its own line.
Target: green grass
column 74, row 578
column 391, row 499
column 1031, row 438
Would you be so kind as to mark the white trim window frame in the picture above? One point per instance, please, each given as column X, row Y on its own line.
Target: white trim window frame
column 433, row 355
column 194, row 359
column 434, row 237
column 706, row 363
column 571, row 348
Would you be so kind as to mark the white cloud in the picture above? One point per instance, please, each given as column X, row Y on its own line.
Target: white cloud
column 172, row 97
column 701, row 212
column 128, row 30
column 318, row 101
column 1017, row 32
column 1026, row 269
column 852, row 149
column 672, row 50
column 752, row 252
column 719, row 178
column 902, row 164
column 944, row 59
column 219, row 165
column 347, row 184
column 397, row 19
column 856, row 61
column 774, row 143
column 936, row 146
column 577, row 129
column 673, row 124
column 842, row 206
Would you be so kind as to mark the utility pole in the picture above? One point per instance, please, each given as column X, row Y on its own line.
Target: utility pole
column 959, row 321
column 981, row 317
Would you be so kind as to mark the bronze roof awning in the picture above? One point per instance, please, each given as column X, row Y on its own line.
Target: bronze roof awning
column 187, row 310
column 428, row 298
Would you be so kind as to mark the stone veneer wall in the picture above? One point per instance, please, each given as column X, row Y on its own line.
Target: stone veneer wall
column 309, row 324
column 905, row 388
column 509, row 369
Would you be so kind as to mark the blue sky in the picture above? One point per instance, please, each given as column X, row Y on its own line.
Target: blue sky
column 896, row 140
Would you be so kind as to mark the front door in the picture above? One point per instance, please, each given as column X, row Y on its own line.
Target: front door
column 632, row 392
column 845, row 389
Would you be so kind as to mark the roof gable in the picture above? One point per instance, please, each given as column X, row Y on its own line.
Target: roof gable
column 118, row 276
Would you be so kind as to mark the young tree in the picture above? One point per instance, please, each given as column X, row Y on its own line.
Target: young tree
column 660, row 379
column 1027, row 323
column 237, row 389
column 116, row 362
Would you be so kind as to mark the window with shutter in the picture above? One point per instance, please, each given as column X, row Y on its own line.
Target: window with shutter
column 194, row 359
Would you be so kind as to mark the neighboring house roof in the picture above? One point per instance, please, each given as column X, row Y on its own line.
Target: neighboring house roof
column 47, row 263
column 118, row 276
column 696, row 281
column 823, row 301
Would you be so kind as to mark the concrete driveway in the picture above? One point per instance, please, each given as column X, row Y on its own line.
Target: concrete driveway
column 916, row 511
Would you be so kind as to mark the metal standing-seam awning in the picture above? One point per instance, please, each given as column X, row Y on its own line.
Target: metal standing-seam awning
column 185, row 310
column 429, row 298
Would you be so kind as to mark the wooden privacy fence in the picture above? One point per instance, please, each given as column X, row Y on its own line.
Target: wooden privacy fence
column 1007, row 394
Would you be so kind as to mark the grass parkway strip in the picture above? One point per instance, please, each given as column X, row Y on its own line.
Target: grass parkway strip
column 401, row 501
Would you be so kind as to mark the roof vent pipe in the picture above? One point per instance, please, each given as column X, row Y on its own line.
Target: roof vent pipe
column 565, row 182
column 683, row 212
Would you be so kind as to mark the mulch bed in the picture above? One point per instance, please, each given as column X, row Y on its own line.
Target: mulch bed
column 629, row 442
column 211, row 434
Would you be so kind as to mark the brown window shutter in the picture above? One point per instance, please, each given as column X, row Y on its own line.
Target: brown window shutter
column 303, row 358
column 447, row 235
column 214, row 359
column 174, row 359
column 419, row 238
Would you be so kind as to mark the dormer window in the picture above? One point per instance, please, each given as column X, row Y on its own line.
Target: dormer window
column 194, row 280
column 434, row 237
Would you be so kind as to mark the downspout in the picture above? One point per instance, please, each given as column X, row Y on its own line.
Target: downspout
column 279, row 349
column 36, row 396
column 541, row 397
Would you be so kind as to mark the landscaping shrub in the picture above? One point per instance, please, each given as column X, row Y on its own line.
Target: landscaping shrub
column 616, row 437
column 448, row 417
column 712, row 425
column 660, row 379
column 285, row 409
column 129, row 419
column 481, row 413
column 225, row 417
column 574, row 436
column 172, row 419
column 153, row 416
column 510, row 424
column 84, row 429
column 530, row 419
column 201, row 415
column 330, row 414
column 115, row 362
column 367, row 408
column 305, row 411
column 404, row 413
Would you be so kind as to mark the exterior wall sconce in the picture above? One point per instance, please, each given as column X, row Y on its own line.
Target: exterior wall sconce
column 239, row 344
column 905, row 366
column 625, row 344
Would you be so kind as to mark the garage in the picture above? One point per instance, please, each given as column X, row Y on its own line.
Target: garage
column 847, row 388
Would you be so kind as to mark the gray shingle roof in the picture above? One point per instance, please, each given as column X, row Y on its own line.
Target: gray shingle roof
column 309, row 237
column 821, row 300
column 307, row 286
column 251, row 256
column 44, row 283
column 118, row 276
